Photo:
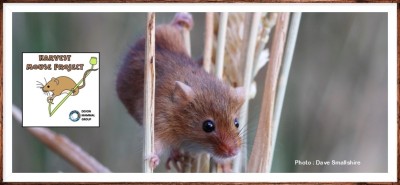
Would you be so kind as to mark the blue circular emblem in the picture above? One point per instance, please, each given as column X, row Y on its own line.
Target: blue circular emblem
column 74, row 116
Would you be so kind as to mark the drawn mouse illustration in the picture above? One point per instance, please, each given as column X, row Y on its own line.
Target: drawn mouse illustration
column 62, row 84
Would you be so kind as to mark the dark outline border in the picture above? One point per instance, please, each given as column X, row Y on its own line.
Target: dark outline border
column 62, row 126
column 201, row 1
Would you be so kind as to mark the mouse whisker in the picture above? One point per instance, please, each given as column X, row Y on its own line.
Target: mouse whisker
column 242, row 130
column 39, row 82
column 248, row 131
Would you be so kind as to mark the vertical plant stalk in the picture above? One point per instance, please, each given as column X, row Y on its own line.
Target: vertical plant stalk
column 287, row 62
column 208, row 41
column 223, row 22
column 203, row 163
column 203, row 160
column 234, row 67
column 213, row 167
column 247, row 56
column 188, row 161
column 149, row 93
column 261, row 152
column 64, row 147
column 268, row 22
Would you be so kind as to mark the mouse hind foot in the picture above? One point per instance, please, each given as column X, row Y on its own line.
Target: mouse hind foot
column 154, row 160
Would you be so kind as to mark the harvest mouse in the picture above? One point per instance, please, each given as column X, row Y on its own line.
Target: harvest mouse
column 62, row 84
column 193, row 110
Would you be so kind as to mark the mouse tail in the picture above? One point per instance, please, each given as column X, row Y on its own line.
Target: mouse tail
column 84, row 77
column 168, row 37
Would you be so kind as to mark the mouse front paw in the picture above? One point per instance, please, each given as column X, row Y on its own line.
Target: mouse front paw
column 177, row 158
column 50, row 100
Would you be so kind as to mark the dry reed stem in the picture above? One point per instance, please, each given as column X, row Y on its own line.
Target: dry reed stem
column 221, row 44
column 269, row 21
column 187, row 162
column 204, row 163
column 248, row 77
column 233, row 73
column 64, row 147
column 215, row 167
column 287, row 61
column 240, row 159
column 208, row 40
column 261, row 152
column 149, row 94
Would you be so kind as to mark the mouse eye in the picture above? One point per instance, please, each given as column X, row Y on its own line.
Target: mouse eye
column 236, row 123
column 208, row 126
column 48, row 86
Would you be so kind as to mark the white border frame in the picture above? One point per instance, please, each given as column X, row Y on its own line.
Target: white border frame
column 8, row 176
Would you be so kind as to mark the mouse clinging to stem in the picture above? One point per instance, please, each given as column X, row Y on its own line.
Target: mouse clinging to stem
column 62, row 85
column 193, row 110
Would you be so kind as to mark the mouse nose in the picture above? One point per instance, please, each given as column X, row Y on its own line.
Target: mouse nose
column 230, row 150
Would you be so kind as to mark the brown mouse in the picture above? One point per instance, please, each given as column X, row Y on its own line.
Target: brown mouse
column 193, row 109
column 62, row 84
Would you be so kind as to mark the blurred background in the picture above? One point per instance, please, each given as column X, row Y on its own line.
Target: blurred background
column 336, row 103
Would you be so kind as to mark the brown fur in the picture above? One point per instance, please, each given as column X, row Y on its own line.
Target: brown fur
column 178, row 123
column 59, row 85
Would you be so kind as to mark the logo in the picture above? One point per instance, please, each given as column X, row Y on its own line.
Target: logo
column 74, row 116
column 61, row 89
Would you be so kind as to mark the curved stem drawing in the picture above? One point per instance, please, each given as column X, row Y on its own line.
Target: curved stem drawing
column 93, row 62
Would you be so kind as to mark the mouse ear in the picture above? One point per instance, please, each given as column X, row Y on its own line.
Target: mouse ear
column 56, row 80
column 240, row 94
column 182, row 92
